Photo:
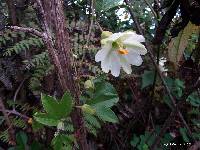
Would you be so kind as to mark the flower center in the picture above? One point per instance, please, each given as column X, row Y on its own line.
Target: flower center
column 122, row 51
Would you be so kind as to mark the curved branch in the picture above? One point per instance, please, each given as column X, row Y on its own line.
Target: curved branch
column 27, row 30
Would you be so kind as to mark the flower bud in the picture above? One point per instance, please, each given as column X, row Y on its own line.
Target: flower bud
column 89, row 84
column 88, row 109
column 106, row 34
column 61, row 126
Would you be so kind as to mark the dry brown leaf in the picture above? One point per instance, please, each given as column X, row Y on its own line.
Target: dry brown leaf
column 178, row 44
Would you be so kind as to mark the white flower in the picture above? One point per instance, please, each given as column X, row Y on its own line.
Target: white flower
column 121, row 50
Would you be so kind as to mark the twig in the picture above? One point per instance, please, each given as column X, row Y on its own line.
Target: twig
column 100, row 28
column 27, row 30
column 17, row 91
column 91, row 23
column 8, row 122
column 138, row 28
column 14, row 112
column 152, row 10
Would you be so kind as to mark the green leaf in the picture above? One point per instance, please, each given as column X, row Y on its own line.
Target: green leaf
column 104, row 94
column 1, row 119
column 62, row 142
column 92, row 120
column 196, row 135
column 36, row 126
column 104, row 5
column 194, row 99
column 88, row 109
column 57, row 143
column 46, row 119
column 135, row 140
column 183, row 133
column 22, row 139
column 50, row 105
column 91, row 129
column 145, row 147
column 102, row 98
column 147, row 78
column 66, row 104
column 179, row 83
column 36, row 146
column 106, row 114
column 55, row 108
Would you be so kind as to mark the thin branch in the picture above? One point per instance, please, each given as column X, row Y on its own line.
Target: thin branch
column 137, row 24
column 27, row 30
column 17, row 91
column 91, row 22
column 14, row 112
column 44, row 19
column 100, row 28
column 152, row 10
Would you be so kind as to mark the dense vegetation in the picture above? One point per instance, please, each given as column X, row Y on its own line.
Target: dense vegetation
column 54, row 95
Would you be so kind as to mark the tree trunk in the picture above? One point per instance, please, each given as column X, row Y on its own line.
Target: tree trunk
column 61, row 56
column 12, row 12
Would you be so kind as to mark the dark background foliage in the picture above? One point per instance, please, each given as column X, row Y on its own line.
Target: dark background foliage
column 158, row 103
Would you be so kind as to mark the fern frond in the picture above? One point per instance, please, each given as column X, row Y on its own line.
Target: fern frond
column 18, row 122
column 37, row 60
column 194, row 111
column 23, row 45
column 4, row 136
column 37, row 76
column 7, row 36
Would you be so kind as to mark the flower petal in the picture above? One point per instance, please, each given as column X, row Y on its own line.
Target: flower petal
column 134, row 59
column 115, row 64
column 103, row 53
column 125, row 64
column 114, row 37
column 132, row 36
column 105, row 64
column 135, row 46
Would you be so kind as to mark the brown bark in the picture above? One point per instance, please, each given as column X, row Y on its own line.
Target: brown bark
column 12, row 12
column 61, row 56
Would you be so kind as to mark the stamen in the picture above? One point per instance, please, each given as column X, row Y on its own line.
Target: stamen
column 123, row 51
